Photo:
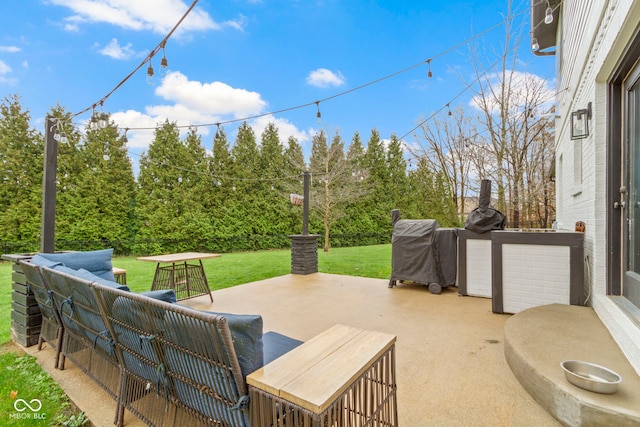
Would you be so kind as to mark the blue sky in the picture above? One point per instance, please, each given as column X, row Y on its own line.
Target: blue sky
column 231, row 59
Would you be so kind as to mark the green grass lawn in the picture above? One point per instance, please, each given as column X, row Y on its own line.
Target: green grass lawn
column 20, row 373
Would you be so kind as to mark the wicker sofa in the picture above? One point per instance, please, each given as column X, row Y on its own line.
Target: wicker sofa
column 166, row 363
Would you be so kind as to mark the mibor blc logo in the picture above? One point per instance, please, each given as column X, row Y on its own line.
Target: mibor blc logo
column 27, row 409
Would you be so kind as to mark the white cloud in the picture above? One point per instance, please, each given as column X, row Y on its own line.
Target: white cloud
column 192, row 103
column 215, row 98
column 9, row 49
column 323, row 77
column 136, row 119
column 284, row 126
column 156, row 15
column 25, row 64
column 115, row 51
column 4, row 68
column 527, row 90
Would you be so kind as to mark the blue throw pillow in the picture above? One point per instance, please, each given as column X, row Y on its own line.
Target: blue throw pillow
column 44, row 262
column 166, row 295
column 97, row 262
column 87, row 275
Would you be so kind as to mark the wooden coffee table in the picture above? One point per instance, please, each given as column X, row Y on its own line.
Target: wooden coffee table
column 187, row 280
column 345, row 376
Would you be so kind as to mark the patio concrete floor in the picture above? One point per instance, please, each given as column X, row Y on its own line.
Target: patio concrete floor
column 450, row 364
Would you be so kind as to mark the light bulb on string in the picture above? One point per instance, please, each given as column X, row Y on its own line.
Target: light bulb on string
column 548, row 15
column 93, row 123
column 534, row 44
column 429, row 73
column 102, row 120
column 318, row 114
column 163, row 62
column 150, row 71
column 449, row 110
column 124, row 138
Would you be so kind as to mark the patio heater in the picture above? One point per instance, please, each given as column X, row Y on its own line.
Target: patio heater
column 304, row 247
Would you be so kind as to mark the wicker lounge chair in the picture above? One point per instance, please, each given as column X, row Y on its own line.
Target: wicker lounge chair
column 51, row 330
column 87, row 341
column 167, row 364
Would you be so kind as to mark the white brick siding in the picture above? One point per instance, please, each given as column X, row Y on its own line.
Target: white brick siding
column 534, row 275
column 594, row 36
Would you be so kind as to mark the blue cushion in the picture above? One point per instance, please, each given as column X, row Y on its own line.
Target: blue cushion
column 246, row 333
column 87, row 275
column 44, row 262
column 97, row 262
column 276, row 344
column 166, row 295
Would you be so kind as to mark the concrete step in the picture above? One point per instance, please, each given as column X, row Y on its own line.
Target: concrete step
column 537, row 340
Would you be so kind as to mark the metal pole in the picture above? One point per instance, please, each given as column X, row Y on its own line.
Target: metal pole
column 305, row 204
column 47, row 232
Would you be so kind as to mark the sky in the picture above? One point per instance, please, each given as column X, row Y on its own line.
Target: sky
column 229, row 60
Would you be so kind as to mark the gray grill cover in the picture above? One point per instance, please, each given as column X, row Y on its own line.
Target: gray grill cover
column 413, row 251
column 447, row 253
column 485, row 218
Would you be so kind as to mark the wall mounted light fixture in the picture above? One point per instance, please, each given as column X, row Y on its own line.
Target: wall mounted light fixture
column 580, row 122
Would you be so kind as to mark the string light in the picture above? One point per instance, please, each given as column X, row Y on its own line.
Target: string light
column 102, row 121
column 144, row 61
column 163, row 62
column 150, row 69
column 93, row 124
column 548, row 14
column 162, row 44
column 59, row 134
column 534, row 44
column 449, row 110
column 63, row 137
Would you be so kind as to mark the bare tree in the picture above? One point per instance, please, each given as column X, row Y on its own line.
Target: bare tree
column 510, row 104
column 335, row 181
column 509, row 139
column 449, row 144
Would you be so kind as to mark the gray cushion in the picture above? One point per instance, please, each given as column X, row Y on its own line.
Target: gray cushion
column 97, row 262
